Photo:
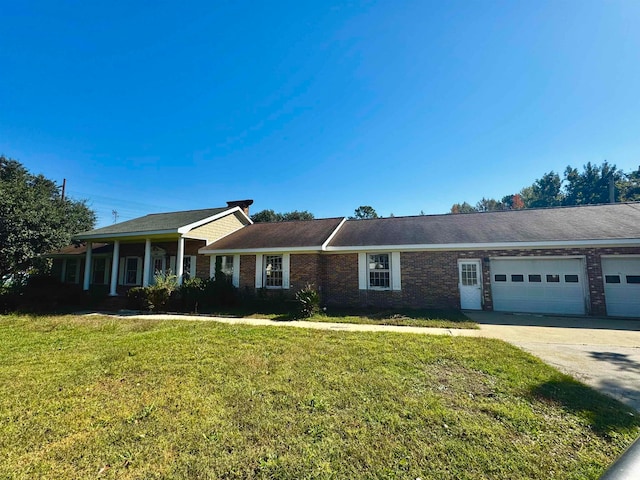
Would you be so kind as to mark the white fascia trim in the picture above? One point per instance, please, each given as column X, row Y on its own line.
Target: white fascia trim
column 488, row 246
column 193, row 237
column 333, row 234
column 251, row 251
column 199, row 223
column 126, row 234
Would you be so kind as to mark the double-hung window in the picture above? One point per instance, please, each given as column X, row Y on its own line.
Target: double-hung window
column 379, row 273
column 273, row 271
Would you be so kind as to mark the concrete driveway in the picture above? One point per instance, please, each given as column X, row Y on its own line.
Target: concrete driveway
column 602, row 353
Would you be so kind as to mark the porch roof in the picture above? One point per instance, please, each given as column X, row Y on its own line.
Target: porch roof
column 81, row 249
column 171, row 224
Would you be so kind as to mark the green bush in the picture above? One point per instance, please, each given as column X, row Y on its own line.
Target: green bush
column 155, row 297
column 308, row 301
column 137, row 298
column 44, row 293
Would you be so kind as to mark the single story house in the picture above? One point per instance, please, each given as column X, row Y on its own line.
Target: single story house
column 567, row 260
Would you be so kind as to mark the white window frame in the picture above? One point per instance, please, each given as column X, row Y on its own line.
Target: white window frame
column 235, row 272
column 123, row 271
column 395, row 275
column 261, row 271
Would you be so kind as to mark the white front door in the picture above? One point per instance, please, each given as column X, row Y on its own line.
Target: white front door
column 470, row 282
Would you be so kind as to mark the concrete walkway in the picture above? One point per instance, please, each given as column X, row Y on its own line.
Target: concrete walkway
column 602, row 353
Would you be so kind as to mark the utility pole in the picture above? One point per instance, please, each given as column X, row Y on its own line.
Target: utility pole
column 115, row 216
column 64, row 187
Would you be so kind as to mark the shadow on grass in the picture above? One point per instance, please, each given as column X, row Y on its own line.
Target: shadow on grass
column 395, row 313
column 604, row 414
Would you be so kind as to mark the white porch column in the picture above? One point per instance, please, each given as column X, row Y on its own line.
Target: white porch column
column 180, row 260
column 147, row 262
column 114, row 268
column 87, row 267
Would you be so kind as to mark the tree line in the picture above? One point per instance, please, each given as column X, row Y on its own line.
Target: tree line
column 590, row 186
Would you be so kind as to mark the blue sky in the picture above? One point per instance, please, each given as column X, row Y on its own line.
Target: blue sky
column 406, row 106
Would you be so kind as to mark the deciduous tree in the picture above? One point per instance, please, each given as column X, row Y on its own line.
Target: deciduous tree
column 34, row 219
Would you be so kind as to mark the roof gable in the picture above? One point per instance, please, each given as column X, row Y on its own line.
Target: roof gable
column 166, row 223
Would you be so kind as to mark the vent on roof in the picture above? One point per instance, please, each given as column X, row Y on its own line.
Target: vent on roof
column 243, row 204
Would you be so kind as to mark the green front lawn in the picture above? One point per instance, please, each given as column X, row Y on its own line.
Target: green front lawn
column 406, row 317
column 103, row 398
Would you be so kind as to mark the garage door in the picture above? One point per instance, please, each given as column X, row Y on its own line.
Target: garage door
column 622, row 286
column 538, row 285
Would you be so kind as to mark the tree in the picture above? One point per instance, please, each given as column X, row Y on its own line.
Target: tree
column 629, row 187
column 545, row 192
column 463, row 208
column 34, row 219
column 512, row 202
column 364, row 212
column 271, row 216
column 592, row 185
column 489, row 205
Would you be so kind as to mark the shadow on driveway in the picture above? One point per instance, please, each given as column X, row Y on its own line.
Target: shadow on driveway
column 535, row 320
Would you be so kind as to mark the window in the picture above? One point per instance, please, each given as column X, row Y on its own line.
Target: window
column 131, row 271
column 500, row 277
column 71, row 274
column 99, row 271
column 379, row 271
column 469, row 274
column 273, row 271
column 535, row 278
column 571, row 279
column 612, row 278
column 553, row 278
column 158, row 265
column 226, row 265
column 379, row 274
column 633, row 278
column 517, row 278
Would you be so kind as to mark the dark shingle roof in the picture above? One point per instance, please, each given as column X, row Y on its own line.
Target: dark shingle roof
column 593, row 222
column 295, row 234
column 155, row 222
column 81, row 249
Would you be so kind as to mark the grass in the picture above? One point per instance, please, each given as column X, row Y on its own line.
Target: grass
column 405, row 317
column 102, row 398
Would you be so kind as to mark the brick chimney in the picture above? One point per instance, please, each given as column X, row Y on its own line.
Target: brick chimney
column 243, row 204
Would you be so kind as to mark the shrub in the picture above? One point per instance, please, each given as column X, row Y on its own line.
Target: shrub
column 137, row 298
column 308, row 301
column 154, row 297
column 44, row 293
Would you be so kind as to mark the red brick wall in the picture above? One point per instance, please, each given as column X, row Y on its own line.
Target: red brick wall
column 304, row 269
column 247, row 273
column 430, row 279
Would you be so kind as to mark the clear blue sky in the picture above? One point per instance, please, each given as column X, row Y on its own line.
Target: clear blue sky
column 320, row 106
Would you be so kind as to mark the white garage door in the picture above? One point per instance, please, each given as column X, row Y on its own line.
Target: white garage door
column 538, row 285
column 622, row 286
